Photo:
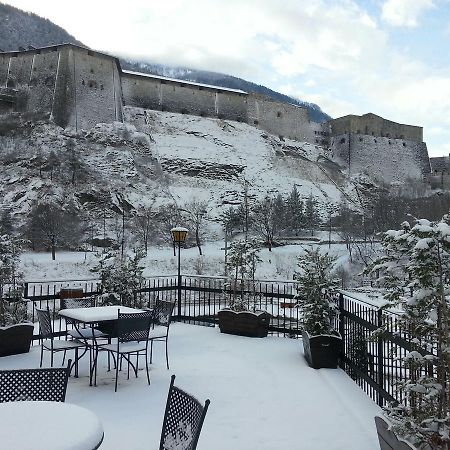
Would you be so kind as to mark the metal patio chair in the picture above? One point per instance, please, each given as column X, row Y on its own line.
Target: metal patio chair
column 132, row 340
column 49, row 343
column 162, row 317
column 49, row 384
column 183, row 420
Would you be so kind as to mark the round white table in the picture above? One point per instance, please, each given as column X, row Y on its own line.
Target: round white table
column 48, row 425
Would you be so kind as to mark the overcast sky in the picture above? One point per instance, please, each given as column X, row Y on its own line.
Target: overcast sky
column 389, row 57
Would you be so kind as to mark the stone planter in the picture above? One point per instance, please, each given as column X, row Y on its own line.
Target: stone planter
column 322, row 351
column 388, row 440
column 16, row 339
column 244, row 323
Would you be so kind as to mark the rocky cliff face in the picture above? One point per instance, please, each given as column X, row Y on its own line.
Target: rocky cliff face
column 156, row 158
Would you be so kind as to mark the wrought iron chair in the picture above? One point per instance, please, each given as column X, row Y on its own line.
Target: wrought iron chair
column 162, row 317
column 49, row 343
column 132, row 339
column 34, row 384
column 183, row 420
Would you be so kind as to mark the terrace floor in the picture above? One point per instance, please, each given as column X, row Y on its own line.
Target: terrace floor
column 263, row 395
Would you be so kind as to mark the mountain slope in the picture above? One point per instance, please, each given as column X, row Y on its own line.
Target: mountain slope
column 21, row 29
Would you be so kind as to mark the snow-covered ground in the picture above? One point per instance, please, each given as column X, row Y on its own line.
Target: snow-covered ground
column 263, row 396
column 279, row 264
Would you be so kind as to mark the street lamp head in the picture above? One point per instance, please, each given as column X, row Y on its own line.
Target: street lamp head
column 179, row 234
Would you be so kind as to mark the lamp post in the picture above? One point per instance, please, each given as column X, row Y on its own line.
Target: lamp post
column 178, row 237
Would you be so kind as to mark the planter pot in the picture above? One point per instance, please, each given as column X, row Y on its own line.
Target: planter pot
column 387, row 439
column 322, row 351
column 244, row 323
column 16, row 339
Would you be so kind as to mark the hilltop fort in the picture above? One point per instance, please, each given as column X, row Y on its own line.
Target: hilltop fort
column 78, row 87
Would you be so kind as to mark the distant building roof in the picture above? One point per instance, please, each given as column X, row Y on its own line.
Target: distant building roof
column 192, row 83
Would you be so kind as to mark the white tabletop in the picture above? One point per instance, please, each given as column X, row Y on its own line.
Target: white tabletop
column 48, row 425
column 96, row 314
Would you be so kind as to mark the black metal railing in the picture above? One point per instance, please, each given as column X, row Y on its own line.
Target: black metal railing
column 372, row 362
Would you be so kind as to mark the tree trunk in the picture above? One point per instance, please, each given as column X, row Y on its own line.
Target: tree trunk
column 197, row 240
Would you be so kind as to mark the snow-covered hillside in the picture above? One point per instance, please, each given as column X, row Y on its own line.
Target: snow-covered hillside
column 211, row 159
column 158, row 158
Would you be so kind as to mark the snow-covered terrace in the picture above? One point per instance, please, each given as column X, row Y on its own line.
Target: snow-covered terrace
column 263, row 395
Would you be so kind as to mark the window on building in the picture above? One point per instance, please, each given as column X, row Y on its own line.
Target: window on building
column 342, row 141
column 256, row 122
column 278, row 114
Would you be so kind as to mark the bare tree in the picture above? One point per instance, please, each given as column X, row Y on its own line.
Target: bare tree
column 53, row 226
column 196, row 212
column 265, row 220
column 144, row 224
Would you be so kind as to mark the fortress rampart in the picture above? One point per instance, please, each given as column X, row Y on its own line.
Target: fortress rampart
column 373, row 125
column 387, row 159
column 79, row 87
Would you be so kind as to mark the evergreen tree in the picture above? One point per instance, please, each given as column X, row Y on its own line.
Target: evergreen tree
column 279, row 212
column 242, row 261
column 415, row 269
column 314, row 291
column 12, row 308
column 294, row 212
column 121, row 278
column 311, row 215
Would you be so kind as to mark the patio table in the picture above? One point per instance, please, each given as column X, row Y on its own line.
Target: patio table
column 28, row 425
column 97, row 315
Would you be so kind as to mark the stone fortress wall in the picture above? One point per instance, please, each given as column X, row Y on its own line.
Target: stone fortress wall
column 373, row 125
column 79, row 87
column 76, row 86
column 387, row 159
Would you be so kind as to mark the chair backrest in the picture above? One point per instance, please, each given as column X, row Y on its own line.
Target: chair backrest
column 134, row 326
column 183, row 420
column 47, row 384
column 162, row 312
column 45, row 323
column 83, row 302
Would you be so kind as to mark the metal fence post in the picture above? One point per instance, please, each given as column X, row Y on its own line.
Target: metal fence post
column 380, row 358
column 341, row 328
column 179, row 282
